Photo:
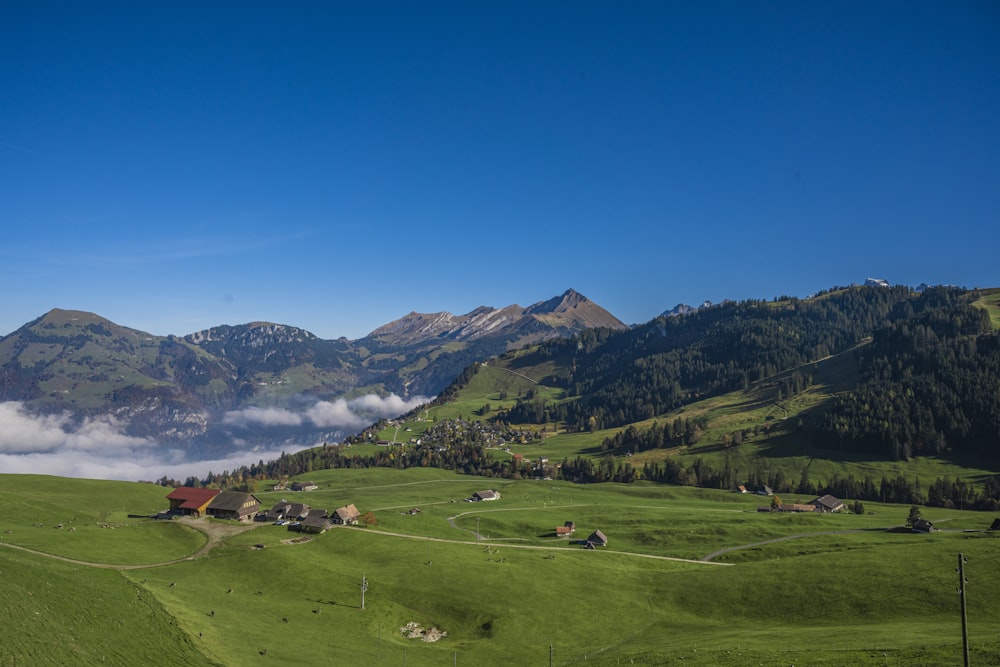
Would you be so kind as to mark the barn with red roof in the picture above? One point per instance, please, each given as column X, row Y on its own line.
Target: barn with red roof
column 189, row 500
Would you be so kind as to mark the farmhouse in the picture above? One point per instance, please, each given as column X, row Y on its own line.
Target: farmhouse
column 827, row 503
column 565, row 529
column 316, row 522
column 922, row 526
column 190, row 501
column 346, row 515
column 304, row 486
column 234, row 505
column 489, row 494
column 597, row 539
column 279, row 512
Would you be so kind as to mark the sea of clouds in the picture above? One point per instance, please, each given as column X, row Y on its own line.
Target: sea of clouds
column 100, row 448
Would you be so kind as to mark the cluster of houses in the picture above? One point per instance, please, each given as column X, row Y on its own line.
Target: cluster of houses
column 242, row 506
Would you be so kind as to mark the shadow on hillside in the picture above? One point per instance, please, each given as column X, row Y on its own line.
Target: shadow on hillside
column 790, row 445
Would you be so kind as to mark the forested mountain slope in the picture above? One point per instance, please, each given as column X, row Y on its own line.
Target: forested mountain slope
column 930, row 377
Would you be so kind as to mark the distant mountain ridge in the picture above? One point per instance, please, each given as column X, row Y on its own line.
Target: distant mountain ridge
column 181, row 389
column 569, row 312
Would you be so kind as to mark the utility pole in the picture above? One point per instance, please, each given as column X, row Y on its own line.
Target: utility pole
column 477, row 531
column 550, row 655
column 962, row 581
column 364, row 587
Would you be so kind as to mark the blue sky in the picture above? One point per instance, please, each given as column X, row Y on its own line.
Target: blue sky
column 335, row 165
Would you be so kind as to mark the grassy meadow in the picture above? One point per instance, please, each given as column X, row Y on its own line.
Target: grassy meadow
column 791, row 589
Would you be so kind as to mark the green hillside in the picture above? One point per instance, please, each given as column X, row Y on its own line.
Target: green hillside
column 792, row 589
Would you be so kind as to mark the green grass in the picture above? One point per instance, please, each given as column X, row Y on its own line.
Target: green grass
column 500, row 606
column 91, row 520
column 863, row 598
column 57, row 614
column 990, row 300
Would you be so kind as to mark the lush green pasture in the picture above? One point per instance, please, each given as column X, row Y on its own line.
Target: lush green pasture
column 794, row 589
column 92, row 520
column 58, row 614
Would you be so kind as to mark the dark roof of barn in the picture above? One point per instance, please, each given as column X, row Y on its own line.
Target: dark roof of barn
column 231, row 500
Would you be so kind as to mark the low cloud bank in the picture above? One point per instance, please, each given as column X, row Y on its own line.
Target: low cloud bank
column 99, row 448
column 356, row 413
column 147, row 466
column 23, row 432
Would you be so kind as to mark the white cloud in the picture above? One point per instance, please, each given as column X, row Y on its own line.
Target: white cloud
column 262, row 417
column 23, row 432
column 360, row 412
column 390, row 406
column 100, row 448
column 337, row 414
column 97, row 448
column 150, row 465
column 356, row 413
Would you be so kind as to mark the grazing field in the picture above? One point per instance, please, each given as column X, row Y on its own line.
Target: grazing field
column 779, row 589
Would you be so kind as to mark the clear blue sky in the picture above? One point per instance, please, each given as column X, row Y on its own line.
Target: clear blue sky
column 334, row 165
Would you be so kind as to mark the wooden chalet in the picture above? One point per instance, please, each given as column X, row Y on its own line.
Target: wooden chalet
column 922, row 526
column 316, row 522
column 279, row 512
column 190, row 501
column 566, row 529
column 346, row 516
column 598, row 539
column 827, row 503
column 234, row 505
column 298, row 511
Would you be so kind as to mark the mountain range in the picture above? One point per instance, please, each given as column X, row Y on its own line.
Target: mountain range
column 261, row 381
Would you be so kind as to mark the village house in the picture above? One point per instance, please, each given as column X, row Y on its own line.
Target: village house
column 316, row 522
column 346, row 516
column 190, row 501
column 489, row 494
column 597, row 539
column 566, row 529
column 279, row 512
column 827, row 503
column 234, row 505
